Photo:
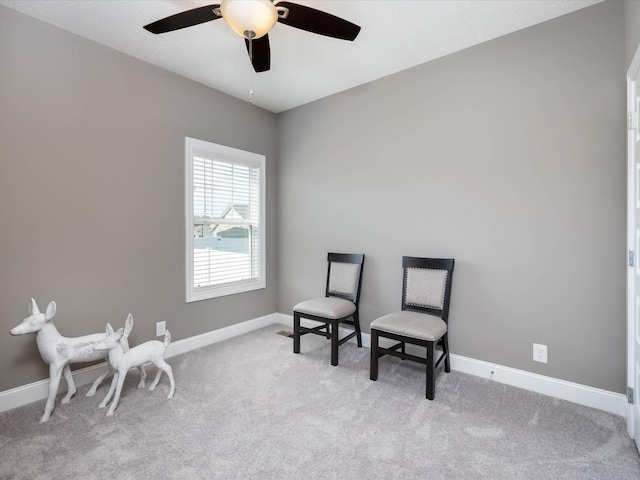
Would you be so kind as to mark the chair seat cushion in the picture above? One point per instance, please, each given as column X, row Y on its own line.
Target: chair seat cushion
column 327, row 307
column 412, row 324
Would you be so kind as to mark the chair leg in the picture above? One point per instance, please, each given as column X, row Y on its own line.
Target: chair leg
column 356, row 324
column 296, row 332
column 334, row 343
column 445, row 347
column 431, row 372
column 373, row 373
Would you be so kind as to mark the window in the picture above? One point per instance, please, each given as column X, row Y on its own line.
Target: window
column 225, row 234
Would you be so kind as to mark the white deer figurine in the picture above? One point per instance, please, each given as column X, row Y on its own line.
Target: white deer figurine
column 124, row 341
column 58, row 351
column 121, row 361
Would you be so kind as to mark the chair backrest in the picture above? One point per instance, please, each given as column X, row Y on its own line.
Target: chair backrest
column 344, row 276
column 426, row 286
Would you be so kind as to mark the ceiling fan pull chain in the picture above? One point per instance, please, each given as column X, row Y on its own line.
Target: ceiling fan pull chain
column 251, row 71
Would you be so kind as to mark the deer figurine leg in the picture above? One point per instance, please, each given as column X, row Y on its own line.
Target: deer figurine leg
column 55, row 371
column 94, row 386
column 164, row 367
column 116, row 398
column 71, row 386
column 143, row 376
column 169, row 372
column 156, row 380
column 112, row 389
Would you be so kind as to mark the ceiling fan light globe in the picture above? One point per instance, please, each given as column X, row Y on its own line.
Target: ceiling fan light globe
column 249, row 18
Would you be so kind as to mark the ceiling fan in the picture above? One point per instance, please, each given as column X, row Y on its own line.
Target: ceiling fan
column 252, row 20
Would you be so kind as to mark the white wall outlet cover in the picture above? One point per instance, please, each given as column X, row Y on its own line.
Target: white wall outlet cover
column 539, row 353
column 161, row 328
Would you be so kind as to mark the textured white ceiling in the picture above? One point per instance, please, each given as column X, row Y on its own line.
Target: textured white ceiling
column 396, row 35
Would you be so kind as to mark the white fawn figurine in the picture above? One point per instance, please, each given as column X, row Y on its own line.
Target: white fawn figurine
column 121, row 361
column 124, row 341
column 58, row 351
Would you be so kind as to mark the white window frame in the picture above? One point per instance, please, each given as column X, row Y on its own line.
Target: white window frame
column 195, row 147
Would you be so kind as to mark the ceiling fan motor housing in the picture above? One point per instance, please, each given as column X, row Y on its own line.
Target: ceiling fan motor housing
column 250, row 19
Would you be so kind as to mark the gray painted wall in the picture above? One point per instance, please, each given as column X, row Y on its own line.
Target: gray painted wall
column 631, row 28
column 508, row 156
column 92, row 189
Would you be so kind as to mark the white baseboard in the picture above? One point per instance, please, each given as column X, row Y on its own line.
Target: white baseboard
column 611, row 402
column 192, row 343
column 592, row 397
column 573, row 392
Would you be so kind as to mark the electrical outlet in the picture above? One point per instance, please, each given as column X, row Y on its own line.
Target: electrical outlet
column 539, row 353
column 161, row 328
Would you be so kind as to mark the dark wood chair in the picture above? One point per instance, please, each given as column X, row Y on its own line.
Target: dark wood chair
column 426, row 291
column 339, row 305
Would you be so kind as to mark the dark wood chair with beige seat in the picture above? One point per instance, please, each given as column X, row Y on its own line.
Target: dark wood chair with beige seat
column 339, row 305
column 426, row 292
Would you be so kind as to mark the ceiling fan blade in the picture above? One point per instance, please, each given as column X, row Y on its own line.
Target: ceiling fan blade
column 180, row 20
column 316, row 21
column 259, row 53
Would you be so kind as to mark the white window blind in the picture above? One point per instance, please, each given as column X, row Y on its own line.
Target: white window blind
column 225, row 220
